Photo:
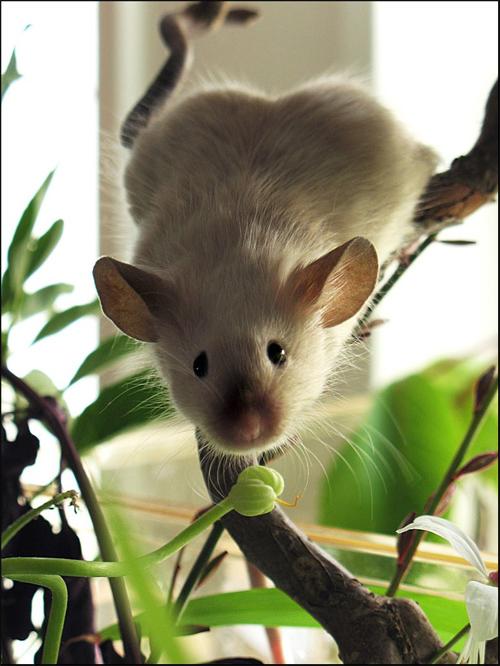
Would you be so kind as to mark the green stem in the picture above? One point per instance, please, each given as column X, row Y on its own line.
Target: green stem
column 26, row 518
column 447, row 479
column 197, row 570
column 442, row 651
column 387, row 286
column 106, row 547
column 57, row 614
column 66, row 567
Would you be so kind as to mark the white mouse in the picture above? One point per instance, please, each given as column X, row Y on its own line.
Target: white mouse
column 262, row 223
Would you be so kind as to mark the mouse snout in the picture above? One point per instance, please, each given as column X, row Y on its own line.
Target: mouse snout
column 247, row 426
column 249, row 417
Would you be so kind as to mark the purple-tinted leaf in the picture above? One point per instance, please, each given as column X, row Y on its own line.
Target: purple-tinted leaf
column 493, row 578
column 479, row 462
column 457, row 242
column 482, row 388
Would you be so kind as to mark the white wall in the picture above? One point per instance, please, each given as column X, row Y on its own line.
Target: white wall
column 434, row 65
column 49, row 119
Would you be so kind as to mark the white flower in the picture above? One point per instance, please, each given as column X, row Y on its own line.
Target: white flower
column 481, row 599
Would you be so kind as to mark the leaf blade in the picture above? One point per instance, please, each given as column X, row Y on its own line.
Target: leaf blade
column 16, row 255
column 43, row 246
column 108, row 352
column 11, row 74
column 127, row 404
column 43, row 299
column 62, row 319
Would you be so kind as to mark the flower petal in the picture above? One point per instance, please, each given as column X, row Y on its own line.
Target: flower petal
column 462, row 543
column 482, row 607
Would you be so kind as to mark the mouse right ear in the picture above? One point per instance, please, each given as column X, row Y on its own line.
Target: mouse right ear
column 339, row 283
column 130, row 297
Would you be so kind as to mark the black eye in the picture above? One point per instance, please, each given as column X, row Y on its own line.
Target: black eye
column 276, row 353
column 200, row 365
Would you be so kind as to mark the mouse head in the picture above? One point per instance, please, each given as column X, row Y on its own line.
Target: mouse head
column 245, row 351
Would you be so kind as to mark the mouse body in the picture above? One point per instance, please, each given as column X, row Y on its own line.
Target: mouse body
column 262, row 222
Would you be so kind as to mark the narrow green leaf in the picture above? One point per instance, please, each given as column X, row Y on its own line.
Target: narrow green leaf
column 109, row 351
column 11, row 74
column 7, row 294
column 42, row 299
column 17, row 256
column 129, row 403
column 5, row 345
column 62, row 319
column 40, row 248
column 273, row 608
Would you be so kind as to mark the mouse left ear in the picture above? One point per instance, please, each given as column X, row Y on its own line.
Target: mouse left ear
column 130, row 297
column 339, row 282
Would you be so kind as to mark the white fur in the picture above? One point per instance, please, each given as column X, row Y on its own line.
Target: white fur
column 231, row 190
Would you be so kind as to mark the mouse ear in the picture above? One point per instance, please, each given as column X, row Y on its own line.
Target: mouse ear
column 339, row 282
column 130, row 297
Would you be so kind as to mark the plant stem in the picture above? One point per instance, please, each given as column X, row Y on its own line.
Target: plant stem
column 442, row 651
column 26, row 518
column 108, row 552
column 447, row 479
column 197, row 570
column 389, row 284
column 65, row 567
column 57, row 614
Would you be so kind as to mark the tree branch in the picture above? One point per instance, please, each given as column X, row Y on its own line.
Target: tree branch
column 367, row 628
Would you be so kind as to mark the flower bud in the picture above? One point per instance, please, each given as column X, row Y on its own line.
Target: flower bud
column 265, row 474
column 256, row 491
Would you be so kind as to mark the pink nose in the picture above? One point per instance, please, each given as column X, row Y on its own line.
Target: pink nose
column 248, row 426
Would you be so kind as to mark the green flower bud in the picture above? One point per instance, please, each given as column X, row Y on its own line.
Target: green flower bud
column 265, row 474
column 252, row 498
column 256, row 491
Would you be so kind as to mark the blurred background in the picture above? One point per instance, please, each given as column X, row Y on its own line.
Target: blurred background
column 83, row 66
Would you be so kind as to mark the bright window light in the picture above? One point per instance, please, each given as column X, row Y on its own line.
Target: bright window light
column 50, row 121
column 434, row 65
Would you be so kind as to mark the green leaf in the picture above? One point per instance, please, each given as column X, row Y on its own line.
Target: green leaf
column 7, row 293
column 401, row 452
column 62, row 319
column 41, row 383
column 11, row 74
column 109, row 351
column 273, row 608
column 40, row 248
column 129, row 403
column 43, row 299
column 17, row 255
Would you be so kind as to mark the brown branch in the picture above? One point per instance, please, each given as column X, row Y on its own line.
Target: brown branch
column 368, row 629
column 471, row 180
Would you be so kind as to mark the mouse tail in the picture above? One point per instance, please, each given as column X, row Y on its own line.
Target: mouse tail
column 176, row 30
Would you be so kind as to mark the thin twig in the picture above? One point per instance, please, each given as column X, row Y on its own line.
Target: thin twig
column 404, row 265
column 447, row 479
column 197, row 569
column 442, row 651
